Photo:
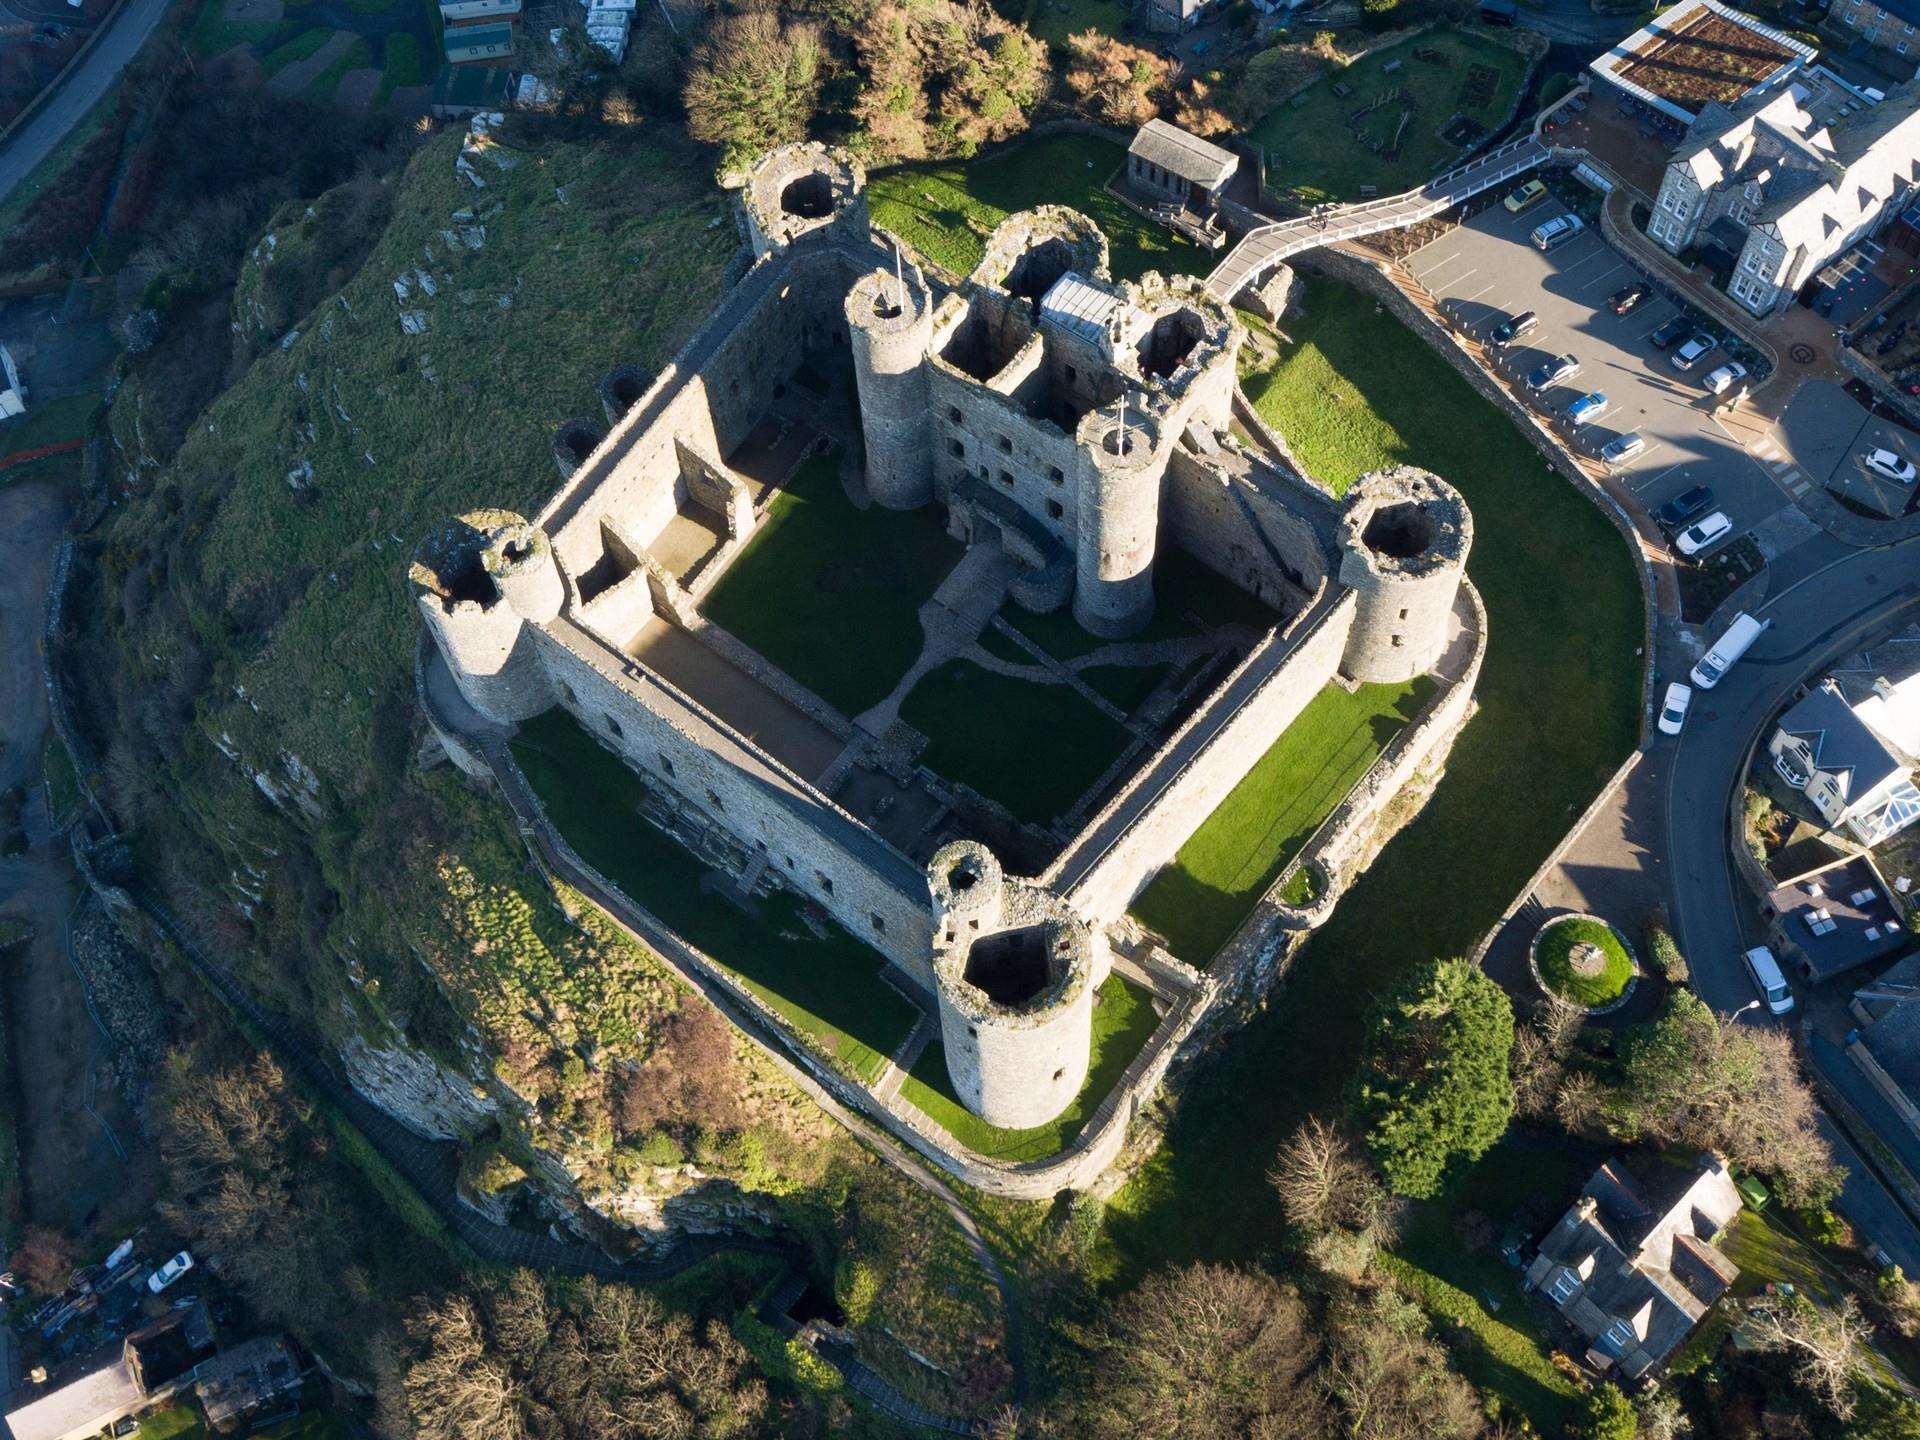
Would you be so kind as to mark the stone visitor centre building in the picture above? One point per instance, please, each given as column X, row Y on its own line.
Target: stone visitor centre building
column 1078, row 436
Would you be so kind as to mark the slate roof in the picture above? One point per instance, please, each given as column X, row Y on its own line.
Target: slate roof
column 1179, row 153
column 1820, row 914
column 1842, row 744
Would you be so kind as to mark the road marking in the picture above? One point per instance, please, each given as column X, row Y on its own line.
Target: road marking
column 1666, row 472
column 1448, row 259
column 1469, row 299
column 1598, row 253
column 1607, row 276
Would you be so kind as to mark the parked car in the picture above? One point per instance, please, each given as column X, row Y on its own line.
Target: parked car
column 1768, row 980
column 1621, row 301
column 1889, row 466
column 1722, row 380
column 1670, row 332
column 170, row 1272
column 1561, row 367
column 1694, row 351
column 1702, row 533
column 1685, row 507
column 1526, row 195
column 1587, row 408
column 1514, row 327
column 1623, row 448
column 1673, row 709
column 1557, row 231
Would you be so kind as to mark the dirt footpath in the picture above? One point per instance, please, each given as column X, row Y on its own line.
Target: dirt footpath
column 71, row 1176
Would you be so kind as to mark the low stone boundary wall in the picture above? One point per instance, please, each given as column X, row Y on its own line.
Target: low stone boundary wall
column 1876, row 380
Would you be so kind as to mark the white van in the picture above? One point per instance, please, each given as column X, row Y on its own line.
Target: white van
column 1772, row 985
column 1728, row 648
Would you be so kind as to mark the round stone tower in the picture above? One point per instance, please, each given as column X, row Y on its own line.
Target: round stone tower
column 1015, row 973
column 483, row 582
column 890, row 320
column 794, row 191
column 1031, row 249
column 1404, row 539
column 1120, row 469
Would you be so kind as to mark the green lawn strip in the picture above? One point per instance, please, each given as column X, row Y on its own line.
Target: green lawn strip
column 1311, row 148
column 1199, row 901
column 357, row 56
column 54, row 423
column 63, row 781
column 1769, row 1253
column 400, row 65
column 1125, row 686
column 313, row 1425
column 1054, row 20
column 830, row 988
column 300, row 47
column 182, row 1422
column 1123, row 1018
column 1556, row 962
column 1559, row 709
column 930, row 206
column 1036, row 748
column 214, row 34
column 832, row 594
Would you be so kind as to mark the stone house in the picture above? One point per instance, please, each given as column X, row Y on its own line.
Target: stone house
column 1167, row 163
column 1632, row 1267
column 1856, row 778
column 1782, row 194
column 83, row 1397
column 1881, row 31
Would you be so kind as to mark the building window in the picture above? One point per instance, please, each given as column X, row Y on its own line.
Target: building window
column 1562, row 1286
column 1055, row 510
column 825, row 883
column 1056, row 475
column 1901, row 48
column 666, row 765
column 1072, row 374
column 1006, row 479
column 613, row 725
column 1851, row 18
column 1398, row 641
column 714, row 799
column 879, row 925
column 1006, row 445
column 1906, row 29
column 957, row 448
column 953, row 414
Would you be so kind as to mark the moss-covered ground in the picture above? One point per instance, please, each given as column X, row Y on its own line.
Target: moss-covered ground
column 1316, row 150
column 1123, row 1019
column 1559, row 709
column 1034, row 747
column 832, row 594
column 946, row 210
column 830, row 988
column 1197, row 902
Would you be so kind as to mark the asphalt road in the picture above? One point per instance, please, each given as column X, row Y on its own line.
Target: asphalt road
column 126, row 32
column 1869, row 1206
column 1839, row 597
column 1486, row 270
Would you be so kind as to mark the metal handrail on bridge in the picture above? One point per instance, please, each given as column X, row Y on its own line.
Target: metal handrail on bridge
column 1261, row 249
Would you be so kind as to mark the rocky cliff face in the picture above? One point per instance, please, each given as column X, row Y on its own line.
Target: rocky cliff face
column 416, row 1089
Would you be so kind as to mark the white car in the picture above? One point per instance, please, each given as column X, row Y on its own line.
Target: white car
column 1702, row 533
column 1720, row 381
column 1889, row 466
column 170, row 1272
column 1673, row 710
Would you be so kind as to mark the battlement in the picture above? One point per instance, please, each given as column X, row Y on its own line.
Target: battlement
column 801, row 192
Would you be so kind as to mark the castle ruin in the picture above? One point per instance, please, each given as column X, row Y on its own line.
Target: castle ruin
column 1072, row 431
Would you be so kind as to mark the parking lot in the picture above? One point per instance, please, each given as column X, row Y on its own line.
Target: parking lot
column 1486, row 270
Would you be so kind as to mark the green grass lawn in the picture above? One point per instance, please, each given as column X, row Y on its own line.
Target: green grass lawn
column 399, row 65
column 929, row 206
column 1123, row 1018
column 1054, row 20
column 214, row 34
column 300, row 47
column 829, row 988
column 1767, row 1252
column 1182, row 588
column 182, row 1422
column 1497, row 1340
column 1199, row 901
column 1036, row 748
column 1555, row 958
column 1312, row 150
column 63, row 781
column 1126, row 687
column 357, row 56
column 54, row 423
column 1559, row 710
column 832, row 594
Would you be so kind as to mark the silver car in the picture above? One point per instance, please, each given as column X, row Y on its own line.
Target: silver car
column 1623, row 448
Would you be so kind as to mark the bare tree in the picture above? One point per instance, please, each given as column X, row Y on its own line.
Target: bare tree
column 1824, row 1344
column 1390, row 1380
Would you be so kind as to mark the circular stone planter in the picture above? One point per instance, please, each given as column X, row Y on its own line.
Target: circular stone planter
column 1582, row 962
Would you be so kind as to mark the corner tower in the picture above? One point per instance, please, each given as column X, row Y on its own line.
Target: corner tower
column 1015, row 973
column 1404, row 538
column 1121, row 470
column 890, row 322
column 796, row 191
column 482, row 582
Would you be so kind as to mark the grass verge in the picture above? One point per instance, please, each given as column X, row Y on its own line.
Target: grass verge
column 1123, row 1019
column 1556, row 960
column 1197, row 902
column 832, row 594
column 946, row 211
column 1034, row 747
column 63, row 781
column 57, row 422
column 829, row 987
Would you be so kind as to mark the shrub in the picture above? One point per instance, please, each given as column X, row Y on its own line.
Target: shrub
column 856, row 1286
column 1663, row 952
column 660, row 1148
